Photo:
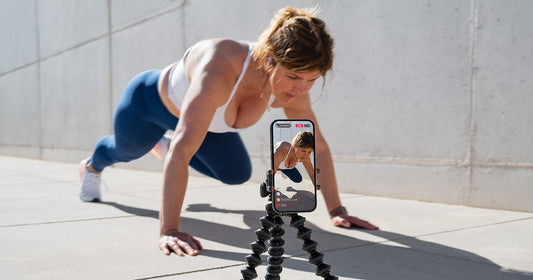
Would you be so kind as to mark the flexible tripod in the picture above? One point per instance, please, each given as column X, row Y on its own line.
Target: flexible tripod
column 273, row 232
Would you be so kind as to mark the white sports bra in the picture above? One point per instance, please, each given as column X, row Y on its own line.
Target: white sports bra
column 178, row 84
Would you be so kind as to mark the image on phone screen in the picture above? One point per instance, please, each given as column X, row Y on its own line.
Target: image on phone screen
column 292, row 146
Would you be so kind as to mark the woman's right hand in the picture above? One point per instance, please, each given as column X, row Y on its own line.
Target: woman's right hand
column 180, row 243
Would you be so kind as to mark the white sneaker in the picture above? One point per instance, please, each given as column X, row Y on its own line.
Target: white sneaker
column 90, row 184
column 160, row 150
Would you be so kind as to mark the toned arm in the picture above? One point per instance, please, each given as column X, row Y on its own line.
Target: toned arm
column 212, row 78
column 300, row 108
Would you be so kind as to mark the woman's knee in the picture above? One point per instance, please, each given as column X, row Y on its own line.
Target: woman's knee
column 236, row 176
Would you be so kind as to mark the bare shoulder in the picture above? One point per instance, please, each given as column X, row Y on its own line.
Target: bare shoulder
column 223, row 54
column 213, row 66
column 283, row 147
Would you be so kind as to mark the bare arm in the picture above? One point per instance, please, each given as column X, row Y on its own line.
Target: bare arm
column 310, row 170
column 211, row 82
column 280, row 154
column 300, row 108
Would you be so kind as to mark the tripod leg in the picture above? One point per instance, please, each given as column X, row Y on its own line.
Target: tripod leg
column 309, row 246
column 258, row 247
column 275, row 250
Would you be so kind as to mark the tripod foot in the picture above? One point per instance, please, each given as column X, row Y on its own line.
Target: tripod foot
column 248, row 273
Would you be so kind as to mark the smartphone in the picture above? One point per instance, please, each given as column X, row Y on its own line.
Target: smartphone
column 292, row 146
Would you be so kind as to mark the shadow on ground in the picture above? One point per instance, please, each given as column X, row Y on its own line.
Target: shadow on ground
column 412, row 259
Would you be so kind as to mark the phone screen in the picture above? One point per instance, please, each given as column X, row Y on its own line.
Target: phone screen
column 292, row 147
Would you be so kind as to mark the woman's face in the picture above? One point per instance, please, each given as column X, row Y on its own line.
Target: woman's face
column 286, row 84
column 303, row 153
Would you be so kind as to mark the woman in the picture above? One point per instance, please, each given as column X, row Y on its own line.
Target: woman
column 287, row 155
column 219, row 87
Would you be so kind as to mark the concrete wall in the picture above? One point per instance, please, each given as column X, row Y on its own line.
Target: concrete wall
column 430, row 100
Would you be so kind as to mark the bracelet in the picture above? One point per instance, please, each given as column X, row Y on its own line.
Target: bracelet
column 338, row 211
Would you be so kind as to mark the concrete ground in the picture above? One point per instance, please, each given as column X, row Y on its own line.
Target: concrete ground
column 46, row 232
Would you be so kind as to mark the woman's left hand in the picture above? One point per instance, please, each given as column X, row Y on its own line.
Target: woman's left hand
column 349, row 221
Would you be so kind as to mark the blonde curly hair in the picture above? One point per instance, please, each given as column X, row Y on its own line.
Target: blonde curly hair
column 303, row 140
column 297, row 40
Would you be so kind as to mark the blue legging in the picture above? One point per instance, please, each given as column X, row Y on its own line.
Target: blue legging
column 293, row 174
column 141, row 120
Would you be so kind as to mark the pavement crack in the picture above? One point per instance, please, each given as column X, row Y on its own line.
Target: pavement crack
column 190, row 272
column 67, row 221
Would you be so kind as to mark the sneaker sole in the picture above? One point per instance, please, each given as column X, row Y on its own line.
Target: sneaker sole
column 89, row 199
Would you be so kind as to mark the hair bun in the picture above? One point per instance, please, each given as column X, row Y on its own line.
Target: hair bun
column 289, row 12
column 296, row 40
